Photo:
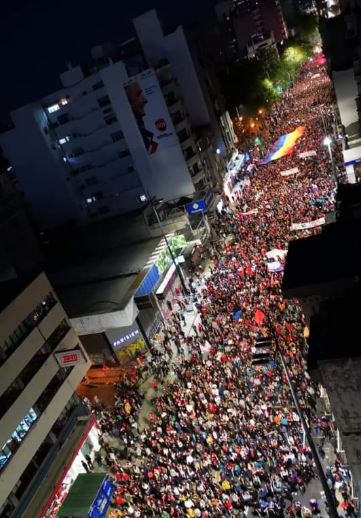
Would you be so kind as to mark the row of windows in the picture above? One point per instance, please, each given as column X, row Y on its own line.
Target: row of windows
column 28, row 474
column 27, row 325
column 29, row 371
column 21, row 431
column 118, row 135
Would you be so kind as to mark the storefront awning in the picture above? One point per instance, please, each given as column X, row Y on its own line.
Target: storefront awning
column 82, row 495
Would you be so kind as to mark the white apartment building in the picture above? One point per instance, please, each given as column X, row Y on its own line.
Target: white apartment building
column 38, row 403
column 91, row 149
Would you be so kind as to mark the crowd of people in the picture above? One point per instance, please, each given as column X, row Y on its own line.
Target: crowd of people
column 225, row 439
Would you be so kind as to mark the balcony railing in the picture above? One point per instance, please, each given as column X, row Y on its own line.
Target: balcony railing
column 26, row 327
column 30, row 370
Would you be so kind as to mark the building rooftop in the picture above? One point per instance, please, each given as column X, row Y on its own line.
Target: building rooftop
column 334, row 330
column 10, row 289
column 333, row 255
column 104, row 281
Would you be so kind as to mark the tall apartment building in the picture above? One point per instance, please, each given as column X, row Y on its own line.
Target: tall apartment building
column 125, row 127
column 38, row 405
column 20, row 250
column 246, row 20
column 190, row 75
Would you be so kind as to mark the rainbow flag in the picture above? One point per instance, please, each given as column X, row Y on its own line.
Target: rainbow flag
column 284, row 145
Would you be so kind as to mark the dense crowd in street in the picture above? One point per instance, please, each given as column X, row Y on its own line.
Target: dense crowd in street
column 225, row 438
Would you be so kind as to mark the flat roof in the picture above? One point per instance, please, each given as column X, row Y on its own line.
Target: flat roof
column 101, row 282
column 97, row 297
column 334, row 330
column 81, row 495
column 330, row 256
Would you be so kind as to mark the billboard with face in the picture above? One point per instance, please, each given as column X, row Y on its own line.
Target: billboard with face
column 150, row 111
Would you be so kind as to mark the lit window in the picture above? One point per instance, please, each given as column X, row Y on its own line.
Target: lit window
column 53, row 108
column 63, row 140
column 90, row 200
column 65, row 159
column 63, row 101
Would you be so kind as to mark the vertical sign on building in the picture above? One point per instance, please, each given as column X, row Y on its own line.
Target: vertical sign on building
column 170, row 174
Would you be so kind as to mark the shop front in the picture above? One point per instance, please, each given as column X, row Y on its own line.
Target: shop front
column 128, row 343
column 89, row 497
column 76, row 465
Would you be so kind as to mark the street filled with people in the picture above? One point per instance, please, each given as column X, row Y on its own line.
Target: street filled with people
column 224, row 438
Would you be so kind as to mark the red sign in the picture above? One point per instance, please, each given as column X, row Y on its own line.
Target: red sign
column 161, row 124
column 70, row 358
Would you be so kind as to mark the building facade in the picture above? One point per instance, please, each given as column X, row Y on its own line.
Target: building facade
column 83, row 154
column 38, row 400
column 244, row 20
column 20, row 250
column 132, row 124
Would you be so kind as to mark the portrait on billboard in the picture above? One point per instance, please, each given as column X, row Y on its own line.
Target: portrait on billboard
column 150, row 111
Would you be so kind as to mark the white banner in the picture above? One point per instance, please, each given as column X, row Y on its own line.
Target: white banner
column 310, row 224
column 275, row 267
column 289, row 172
column 307, row 154
column 276, row 254
column 253, row 211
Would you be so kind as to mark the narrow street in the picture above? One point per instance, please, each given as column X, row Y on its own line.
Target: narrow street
column 211, row 432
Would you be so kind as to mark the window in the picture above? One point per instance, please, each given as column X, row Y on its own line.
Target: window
column 124, row 153
column 13, row 443
column 110, row 119
column 130, row 168
column 118, row 135
column 93, row 180
column 28, row 372
column 108, row 110
column 64, row 140
column 94, row 197
column 63, row 119
column 98, row 85
column 53, row 108
column 104, row 101
column 24, row 329
column 81, row 169
column 77, row 151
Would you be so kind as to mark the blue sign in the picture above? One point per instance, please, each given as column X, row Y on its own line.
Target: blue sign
column 149, row 282
column 102, row 500
column 196, row 206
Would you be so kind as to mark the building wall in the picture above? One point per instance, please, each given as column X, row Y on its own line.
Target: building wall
column 37, row 387
column 37, row 166
column 164, row 174
column 182, row 64
column 342, row 380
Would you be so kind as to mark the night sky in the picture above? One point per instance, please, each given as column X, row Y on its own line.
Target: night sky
column 38, row 37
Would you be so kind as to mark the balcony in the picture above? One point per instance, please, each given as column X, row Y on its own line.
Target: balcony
column 30, row 370
column 27, row 326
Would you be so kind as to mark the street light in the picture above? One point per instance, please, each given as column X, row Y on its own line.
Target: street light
column 327, row 141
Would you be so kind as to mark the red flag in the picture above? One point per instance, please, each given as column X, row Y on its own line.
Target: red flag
column 259, row 317
column 249, row 270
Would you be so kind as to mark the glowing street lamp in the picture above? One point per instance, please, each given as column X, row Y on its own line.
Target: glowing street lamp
column 327, row 141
